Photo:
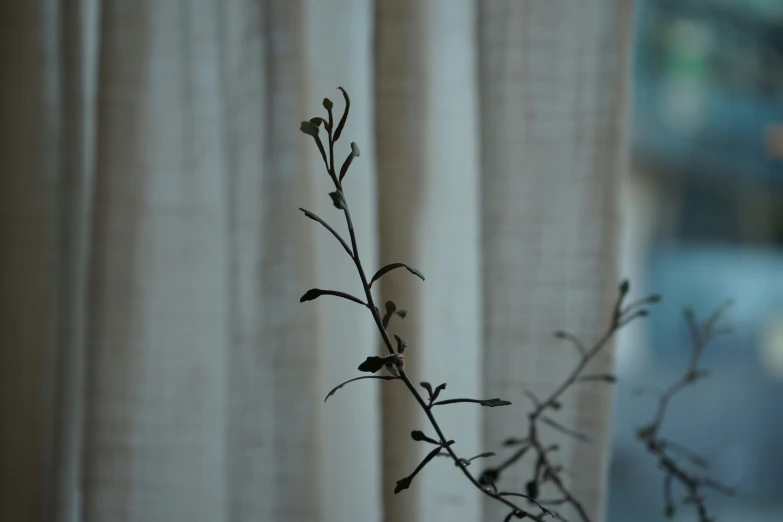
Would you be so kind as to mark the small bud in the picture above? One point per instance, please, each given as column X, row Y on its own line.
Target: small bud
column 338, row 200
column 532, row 489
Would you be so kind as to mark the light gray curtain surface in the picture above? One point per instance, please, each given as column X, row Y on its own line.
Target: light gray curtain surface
column 155, row 362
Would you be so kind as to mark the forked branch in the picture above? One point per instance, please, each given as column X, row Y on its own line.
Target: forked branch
column 394, row 362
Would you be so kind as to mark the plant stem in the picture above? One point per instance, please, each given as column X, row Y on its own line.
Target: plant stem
column 520, row 513
column 532, row 440
column 658, row 446
column 404, row 376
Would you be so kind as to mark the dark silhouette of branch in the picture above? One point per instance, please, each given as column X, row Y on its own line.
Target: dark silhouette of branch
column 545, row 470
column 532, row 444
column 311, row 128
column 382, row 377
column 666, row 450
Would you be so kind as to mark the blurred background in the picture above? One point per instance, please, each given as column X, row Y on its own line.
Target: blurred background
column 703, row 225
column 525, row 155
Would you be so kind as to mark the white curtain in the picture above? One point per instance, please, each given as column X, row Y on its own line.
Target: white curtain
column 555, row 84
column 155, row 362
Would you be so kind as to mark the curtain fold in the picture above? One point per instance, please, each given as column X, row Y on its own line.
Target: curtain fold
column 155, row 361
column 30, row 207
column 158, row 326
column 553, row 104
column 428, row 176
column 79, row 31
column 339, row 38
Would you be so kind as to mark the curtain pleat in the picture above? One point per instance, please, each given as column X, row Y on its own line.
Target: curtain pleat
column 347, row 438
column 242, row 76
column 428, row 204
column 553, row 104
column 79, row 45
column 270, row 452
column 155, row 362
column 158, row 322
column 30, row 208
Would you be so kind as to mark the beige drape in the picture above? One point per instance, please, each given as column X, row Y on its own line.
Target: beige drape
column 155, row 363
column 555, row 78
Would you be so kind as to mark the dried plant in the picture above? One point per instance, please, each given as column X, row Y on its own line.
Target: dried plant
column 394, row 361
column 677, row 461
column 545, row 471
column 673, row 458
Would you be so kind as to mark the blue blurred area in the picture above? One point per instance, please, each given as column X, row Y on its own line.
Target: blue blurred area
column 701, row 277
column 734, row 418
column 708, row 81
column 707, row 141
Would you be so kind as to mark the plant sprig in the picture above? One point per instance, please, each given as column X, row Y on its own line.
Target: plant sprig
column 669, row 453
column 394, row 362
column 545, row 471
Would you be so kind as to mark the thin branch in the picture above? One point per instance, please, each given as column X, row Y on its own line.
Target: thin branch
column 491, row 474
column 668, row 497
column 685, row 452
column 383, row 377
column 544, row 469
column 535, row 400
column 564, row 430
column 528, row 498
column 405, row 483
column 510, row 516
column 314, row 217
column 445, row 443
column 575, row 373
column 555, row 478
column 574, row 341
column 658, row 446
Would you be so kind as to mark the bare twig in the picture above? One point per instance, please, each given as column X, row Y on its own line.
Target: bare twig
column 664, row 449
column 338, row 197
column 382, row 377
column 545, row 470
